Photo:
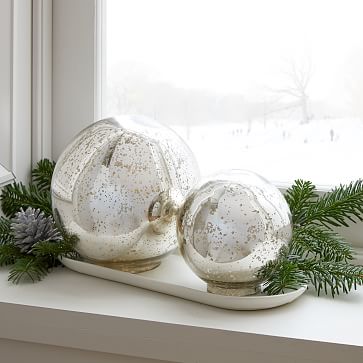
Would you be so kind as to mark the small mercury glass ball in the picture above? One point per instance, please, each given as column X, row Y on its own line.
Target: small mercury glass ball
column 118, row 185
column 229, row 227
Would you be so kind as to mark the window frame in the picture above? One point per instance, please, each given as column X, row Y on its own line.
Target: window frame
column 41, row 80
column 16, row 134
column 87, row 40
column 77, row 68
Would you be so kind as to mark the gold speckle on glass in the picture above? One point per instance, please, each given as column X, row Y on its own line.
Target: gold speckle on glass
column 229, row 227
column 118, row 186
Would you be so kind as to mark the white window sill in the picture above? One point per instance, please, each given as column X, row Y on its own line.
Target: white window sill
column 71, row 310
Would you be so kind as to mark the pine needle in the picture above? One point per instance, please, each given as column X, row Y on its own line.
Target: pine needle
column 44, row 255
column 316, row 254
column 282, row 275
column 333, row 277
column 27, row 268
column 322, row 244
column 42, row 174
column 52, row 250
column 9, row 253
column 6, row 235
column 17, row 195
column 299, row 196
column 336, row 208
column 325, row 276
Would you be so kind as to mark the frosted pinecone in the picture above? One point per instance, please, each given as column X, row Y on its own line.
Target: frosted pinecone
column 31, row 226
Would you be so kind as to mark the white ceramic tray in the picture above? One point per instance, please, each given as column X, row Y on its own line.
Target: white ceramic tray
column 173, row 277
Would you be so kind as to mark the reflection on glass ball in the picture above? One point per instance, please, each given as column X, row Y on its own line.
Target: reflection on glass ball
column 118, row 185
column 230, row 227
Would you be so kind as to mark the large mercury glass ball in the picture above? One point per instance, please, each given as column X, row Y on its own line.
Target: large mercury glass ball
column 229, row 227
column 118, row 186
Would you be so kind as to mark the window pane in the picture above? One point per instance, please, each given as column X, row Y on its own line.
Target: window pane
column 271, row 86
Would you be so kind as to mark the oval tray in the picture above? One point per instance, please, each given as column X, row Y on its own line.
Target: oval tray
column 173, row 277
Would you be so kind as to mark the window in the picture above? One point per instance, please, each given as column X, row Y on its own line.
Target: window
column 78, row 63
column 275, row 87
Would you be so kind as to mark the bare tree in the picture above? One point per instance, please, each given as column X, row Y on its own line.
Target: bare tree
column 295, row 90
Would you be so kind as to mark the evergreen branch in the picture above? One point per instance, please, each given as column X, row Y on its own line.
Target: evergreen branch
column 51, row 250
column 343, row 203
column 334, row 276
column 17, row 195
column 299, row 196
column 322, row 244
column 6, row 235
column 9, row 253
column 42, row 174
column 69, row 242
column 292, row 273
column 282, row 275
column 48, row 252
column 27, row 268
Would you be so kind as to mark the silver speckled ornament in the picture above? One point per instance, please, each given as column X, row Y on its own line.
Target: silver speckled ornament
column 230, row 227
column 118, row 185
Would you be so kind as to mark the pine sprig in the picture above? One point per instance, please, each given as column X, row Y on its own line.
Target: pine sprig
column 5, row 231
column 316, row 254
column 335, row 208
column 331, row 276
column 37, row 262
column 291, row 272
column 282, row 275
column 17, row 195
column 9, row 253
column 42, row 174
column 299, row 197
column 322, row 244
column 51, row 251
column 27, row 268
column 43, row 258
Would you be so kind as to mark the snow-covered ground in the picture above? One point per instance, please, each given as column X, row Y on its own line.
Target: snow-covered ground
column 325, row 151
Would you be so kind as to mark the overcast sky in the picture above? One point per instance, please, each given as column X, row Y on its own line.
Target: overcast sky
column 236, row 46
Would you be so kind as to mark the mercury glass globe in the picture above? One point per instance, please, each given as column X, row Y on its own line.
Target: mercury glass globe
column 118, row 186
column 229, row 227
